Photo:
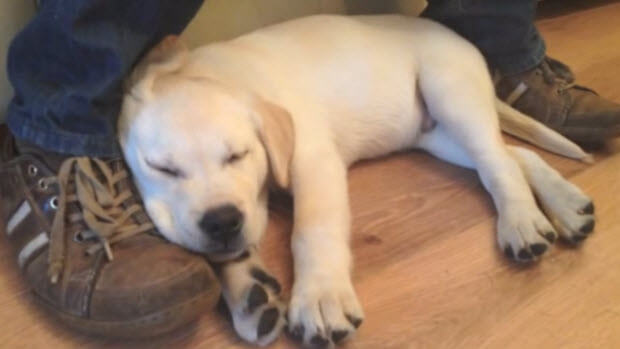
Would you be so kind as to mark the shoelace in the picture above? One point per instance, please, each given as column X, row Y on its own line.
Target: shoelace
column 555, row 72
column 102, row 209
column 551, row 77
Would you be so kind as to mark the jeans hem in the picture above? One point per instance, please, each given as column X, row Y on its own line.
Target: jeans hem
column 519, row 64
column 64, row 143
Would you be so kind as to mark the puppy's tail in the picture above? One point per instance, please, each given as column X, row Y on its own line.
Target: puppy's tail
column 524, row 127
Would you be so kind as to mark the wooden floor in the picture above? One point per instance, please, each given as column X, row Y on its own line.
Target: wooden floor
column 428, row 271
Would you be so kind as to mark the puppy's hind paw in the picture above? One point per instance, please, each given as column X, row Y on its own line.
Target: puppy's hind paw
column 524, row 235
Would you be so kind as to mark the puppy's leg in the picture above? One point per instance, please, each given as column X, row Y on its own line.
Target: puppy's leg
column 462, row 102
column 324, row 308
column 251, row 298
column 568, row 208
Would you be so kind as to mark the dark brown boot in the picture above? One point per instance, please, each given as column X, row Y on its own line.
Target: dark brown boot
column 90, row 252
column 548, row 93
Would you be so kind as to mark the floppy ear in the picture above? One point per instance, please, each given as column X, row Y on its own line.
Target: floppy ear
column 275, row 128
column 164, row 58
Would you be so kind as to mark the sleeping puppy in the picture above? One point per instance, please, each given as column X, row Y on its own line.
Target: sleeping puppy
column 207, row 132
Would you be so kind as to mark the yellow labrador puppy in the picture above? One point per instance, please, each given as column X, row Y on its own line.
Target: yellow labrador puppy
column 205, row 132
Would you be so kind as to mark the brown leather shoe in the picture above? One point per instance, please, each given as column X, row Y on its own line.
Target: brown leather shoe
column 90, row 252
column 548, row 93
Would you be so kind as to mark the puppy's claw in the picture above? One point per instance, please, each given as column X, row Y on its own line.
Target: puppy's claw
column 578, row 238
column 588, row 227
column 297, row 334
column 222, row 309
column 588, row 209
column 550, row 236
column 319, row 341
column 524, row 255
column 355, row 321
column 538, row 249
column 339, row 335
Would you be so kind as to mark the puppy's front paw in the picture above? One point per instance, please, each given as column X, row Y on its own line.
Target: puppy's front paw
column 257, row 313
column 324, row 312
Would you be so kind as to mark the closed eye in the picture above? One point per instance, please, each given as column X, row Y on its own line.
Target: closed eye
column 167, row 169
column 235, row 157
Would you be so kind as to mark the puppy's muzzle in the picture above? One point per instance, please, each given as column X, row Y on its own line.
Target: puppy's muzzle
column 223, row 226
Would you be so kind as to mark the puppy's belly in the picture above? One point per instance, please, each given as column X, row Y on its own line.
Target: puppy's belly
column 370, row 135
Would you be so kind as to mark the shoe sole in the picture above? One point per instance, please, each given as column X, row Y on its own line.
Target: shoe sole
column 582, row 134
column 151, row 325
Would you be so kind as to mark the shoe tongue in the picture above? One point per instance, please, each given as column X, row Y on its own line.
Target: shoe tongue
column 51, row 159
column 560, row 69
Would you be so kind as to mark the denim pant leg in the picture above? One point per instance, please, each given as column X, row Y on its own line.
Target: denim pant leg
column 504, row 31
column 68, row 64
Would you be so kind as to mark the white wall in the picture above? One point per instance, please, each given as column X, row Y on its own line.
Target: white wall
column 225, row 19
column 13, row 16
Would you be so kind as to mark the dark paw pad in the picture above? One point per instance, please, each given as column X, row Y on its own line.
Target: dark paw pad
column 588, row 209
column 538, row 249
column 524, row 254
column 550, row 236
column 256, row 298
column 267, row 321
column 339, row 335
column 509, row 253
column 297, row 333
column 355, row 321
column 261, row 276
column 319, row 341
column 588, row 227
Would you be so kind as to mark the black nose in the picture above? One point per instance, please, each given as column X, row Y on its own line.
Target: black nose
column 222, row 223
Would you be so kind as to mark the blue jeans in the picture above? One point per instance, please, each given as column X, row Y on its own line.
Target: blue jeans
column 503, row 30
column 68, row 64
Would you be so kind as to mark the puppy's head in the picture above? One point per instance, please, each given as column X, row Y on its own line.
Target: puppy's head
column 202, row 153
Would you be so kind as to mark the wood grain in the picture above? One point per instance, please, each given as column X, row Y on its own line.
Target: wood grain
column 427, row 269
